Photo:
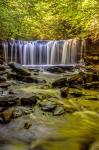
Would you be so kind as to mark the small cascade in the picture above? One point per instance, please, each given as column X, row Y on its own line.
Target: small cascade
column 44, row 52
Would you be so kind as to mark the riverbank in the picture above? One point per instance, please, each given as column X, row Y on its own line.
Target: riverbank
column 47, row 111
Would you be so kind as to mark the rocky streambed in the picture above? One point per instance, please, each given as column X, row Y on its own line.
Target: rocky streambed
column 56, row 109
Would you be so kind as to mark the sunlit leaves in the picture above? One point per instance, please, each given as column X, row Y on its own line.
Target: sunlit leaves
column 49, row 19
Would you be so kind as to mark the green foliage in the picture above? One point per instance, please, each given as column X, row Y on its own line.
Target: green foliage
column 49, row 19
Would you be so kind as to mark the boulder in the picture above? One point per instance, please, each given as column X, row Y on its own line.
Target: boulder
column 6, row 115
column 59, row 82
column 29, row 101
column 21, row 110
column 64, row 91
column 2, row 68
column 2, row 79
column 19, row 69
column 56, row 69
column 8, row 101
column 92, row 85
column 47, row 105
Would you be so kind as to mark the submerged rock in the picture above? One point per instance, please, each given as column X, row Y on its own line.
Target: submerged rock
column 59, row 110
column 19, row 69
column 27, row 125
column 64, row 91
column 70, row 110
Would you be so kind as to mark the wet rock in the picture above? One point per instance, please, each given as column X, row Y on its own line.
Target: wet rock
column 19, row 69
column 60, row 83
column 11, row 91
column 7, row 115
column 36, row 73
column 19, row 111
column 31, row 79
column 48, row 105
column 70, row 110
column 1, row 61
column 4, row 91
column 2, row 68
column 64, row 92
column 8, row 101
column 87, row 77
column 2, row 79
column 4, row 85
column 59, row 110
column 29, row 101
column 1, row 120
column 95, row 77
column 56, row 69
column 2, row 109
column 73, row 79
column 92, row 98
column 77, row 94
column 27, row 110
column 93, row 85
column 27, row 125
column 27, row 79
column 3, row 72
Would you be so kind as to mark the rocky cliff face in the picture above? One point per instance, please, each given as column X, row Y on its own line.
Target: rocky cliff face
column 92, row 52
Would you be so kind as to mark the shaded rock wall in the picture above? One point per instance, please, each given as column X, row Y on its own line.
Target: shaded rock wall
column 92, row 52
column 1, row 51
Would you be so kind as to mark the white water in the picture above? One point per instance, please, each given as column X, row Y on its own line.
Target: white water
column 44, row 52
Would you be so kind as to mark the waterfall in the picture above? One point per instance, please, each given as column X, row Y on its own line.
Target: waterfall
column 5, row 51
column 44, row 52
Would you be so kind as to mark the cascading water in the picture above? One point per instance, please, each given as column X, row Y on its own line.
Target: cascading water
column 43, row 52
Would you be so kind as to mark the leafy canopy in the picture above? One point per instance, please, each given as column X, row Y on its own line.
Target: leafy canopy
column 49, row 19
